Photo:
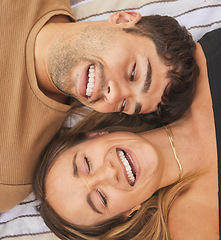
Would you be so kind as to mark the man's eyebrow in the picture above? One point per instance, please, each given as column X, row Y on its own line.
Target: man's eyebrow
column 147, row 82
column 75, row 168
column 91, row 204
column 145, row 87
column 138, row 108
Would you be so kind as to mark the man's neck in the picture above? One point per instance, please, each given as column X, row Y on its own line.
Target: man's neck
column 42, row 44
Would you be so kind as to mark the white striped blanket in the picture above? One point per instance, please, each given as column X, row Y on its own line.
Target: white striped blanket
column 23, row 222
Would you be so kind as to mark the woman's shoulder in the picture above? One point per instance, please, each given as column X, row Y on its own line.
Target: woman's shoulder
column 194, row 214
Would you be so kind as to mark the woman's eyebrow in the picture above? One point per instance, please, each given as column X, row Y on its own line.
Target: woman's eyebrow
column 91, row 204
column 75, row 168
column 89, row 201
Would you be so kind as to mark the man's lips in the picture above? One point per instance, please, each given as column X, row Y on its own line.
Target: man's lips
column 91, row 81
column 129, row 166
column 87, row 82
column 83, row 82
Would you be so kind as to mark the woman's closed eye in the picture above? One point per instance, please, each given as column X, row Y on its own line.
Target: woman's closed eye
column 102, row 198
column 132, row 76
column 98, row 201
column 87, row 165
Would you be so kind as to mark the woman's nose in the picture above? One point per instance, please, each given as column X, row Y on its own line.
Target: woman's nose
column 106, row 174
column 116, row 91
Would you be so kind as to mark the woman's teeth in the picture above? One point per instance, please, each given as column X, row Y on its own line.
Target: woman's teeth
column 126, row 164
column 91, row 80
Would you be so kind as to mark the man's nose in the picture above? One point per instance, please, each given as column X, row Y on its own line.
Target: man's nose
column 117, row 91
column 106, row 174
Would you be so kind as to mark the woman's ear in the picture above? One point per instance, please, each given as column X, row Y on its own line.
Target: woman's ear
column 96, row 134
column 129, row 18
column 134, row 209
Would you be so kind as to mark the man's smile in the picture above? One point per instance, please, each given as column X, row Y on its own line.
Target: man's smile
column 91, row 81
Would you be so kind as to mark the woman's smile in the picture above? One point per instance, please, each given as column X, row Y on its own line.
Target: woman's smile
column 128, row 165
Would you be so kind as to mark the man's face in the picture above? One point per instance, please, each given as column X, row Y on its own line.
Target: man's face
column 108, row 69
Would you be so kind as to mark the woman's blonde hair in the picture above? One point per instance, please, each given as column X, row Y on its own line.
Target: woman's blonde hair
column 149, row 222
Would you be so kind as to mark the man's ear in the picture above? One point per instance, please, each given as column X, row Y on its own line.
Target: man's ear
column 96, row 134
column 129, row 213
column 129, row 18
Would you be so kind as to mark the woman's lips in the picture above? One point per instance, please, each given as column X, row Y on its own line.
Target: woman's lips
column 129, row 166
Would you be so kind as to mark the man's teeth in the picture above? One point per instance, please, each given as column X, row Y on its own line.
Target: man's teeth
column 91, row 80
column 127, row 166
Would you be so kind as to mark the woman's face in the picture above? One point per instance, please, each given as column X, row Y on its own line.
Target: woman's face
column 103, row 177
